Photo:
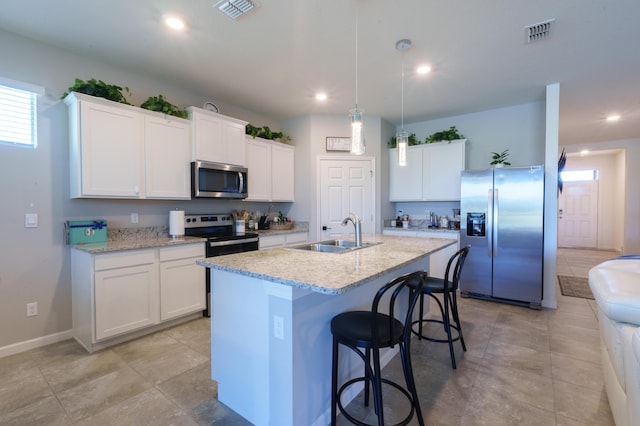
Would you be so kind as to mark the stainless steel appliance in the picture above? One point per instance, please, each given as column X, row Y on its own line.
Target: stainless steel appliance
column 215, row 180
column 502, row 220
column 219, row 230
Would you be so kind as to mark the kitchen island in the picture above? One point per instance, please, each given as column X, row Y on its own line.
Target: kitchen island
column 271, row 310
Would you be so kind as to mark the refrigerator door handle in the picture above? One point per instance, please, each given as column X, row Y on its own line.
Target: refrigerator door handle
column 489, row 223
column 495, row 222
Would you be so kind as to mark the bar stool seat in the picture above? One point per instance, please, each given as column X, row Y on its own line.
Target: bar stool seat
column 366, row 332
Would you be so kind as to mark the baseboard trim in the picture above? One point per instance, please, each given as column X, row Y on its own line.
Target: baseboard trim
column 19, row 347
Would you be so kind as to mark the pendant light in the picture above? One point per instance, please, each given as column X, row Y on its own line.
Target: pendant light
column 402, row 137
column 357, row 131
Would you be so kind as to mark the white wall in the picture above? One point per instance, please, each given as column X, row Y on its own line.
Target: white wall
column 35, row 265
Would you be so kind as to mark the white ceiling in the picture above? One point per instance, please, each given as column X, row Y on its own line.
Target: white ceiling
column 275, row 58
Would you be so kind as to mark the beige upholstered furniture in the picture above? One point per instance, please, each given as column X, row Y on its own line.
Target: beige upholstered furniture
column 616, row 287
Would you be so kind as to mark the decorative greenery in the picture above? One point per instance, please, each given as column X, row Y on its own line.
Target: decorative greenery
column 160, row 104
column 412, row 140
column 500, row 158
column 265, row 133
column 100, row 89
column 444, row 135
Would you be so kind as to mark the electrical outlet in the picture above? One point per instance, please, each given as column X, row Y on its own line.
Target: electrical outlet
column 134, row 218
column 278, row 327
column 32, row 309
column 31, row 220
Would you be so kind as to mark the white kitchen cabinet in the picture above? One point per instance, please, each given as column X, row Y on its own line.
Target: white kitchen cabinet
column 124, row 294
column 182, row 289
column 167, row 158
column 438, row 260
column 216, row 137
column 106, row 148
column 432, row 172
column 271, row 170
column 120, row 151
column 283, row 240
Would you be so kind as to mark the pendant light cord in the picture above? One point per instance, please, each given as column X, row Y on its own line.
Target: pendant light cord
column 356, row 60
column 402, row 96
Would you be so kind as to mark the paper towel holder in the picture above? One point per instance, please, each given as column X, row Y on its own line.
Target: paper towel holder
column 176, row 224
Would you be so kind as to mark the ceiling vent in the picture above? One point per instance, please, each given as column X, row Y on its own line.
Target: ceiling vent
column 538, row 32
column 235, row 8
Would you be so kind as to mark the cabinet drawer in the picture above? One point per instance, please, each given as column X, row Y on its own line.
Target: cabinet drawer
column 124, row 259
column 298, row 237
column 181, row 252
column 272, row 241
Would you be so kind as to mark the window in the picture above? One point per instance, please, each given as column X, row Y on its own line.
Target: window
column 578, row 175
column 18, row 112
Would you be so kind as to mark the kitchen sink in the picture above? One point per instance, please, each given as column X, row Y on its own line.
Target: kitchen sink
column 333, row 246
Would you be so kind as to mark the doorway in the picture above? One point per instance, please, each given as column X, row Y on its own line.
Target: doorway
column 347, row 185
column 578, row 215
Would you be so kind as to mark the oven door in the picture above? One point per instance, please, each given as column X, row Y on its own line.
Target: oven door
column 220, row 248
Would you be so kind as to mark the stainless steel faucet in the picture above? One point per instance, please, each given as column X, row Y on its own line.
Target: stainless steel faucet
column 357, row 224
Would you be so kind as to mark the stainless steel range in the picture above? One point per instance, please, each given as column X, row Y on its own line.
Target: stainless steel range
column 219, row 230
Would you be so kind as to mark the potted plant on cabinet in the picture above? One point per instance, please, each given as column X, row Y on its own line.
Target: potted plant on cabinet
column 500, row 159
column 445, row 135
column 99, row 89
column 160, row 104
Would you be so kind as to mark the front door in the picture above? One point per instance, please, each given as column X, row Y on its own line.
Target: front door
column 578, row 215
column 346, row 186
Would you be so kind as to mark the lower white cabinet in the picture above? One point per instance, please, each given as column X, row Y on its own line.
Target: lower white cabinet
column 181, row 281
column 438, row 260
column 283, row 240
column 119, row 293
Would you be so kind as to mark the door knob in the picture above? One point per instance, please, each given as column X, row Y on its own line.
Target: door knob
column 324, row 228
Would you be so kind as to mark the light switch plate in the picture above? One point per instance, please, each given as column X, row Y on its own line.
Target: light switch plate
column 31, row 220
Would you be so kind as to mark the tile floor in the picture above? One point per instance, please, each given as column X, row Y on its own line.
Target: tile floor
column 522, row 367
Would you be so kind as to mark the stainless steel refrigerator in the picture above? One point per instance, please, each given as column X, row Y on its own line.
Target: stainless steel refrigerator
column 502, row 220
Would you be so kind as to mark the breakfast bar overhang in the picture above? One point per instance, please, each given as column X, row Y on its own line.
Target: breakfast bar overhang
column 270, row 316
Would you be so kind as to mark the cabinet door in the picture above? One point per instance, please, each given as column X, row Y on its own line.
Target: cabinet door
column 167, row 153
column 442, row 164
column 282, row 188
column 405, row 182
column 112, row 151
column 206, row 136
column 126, row 299
column 258, row 163
column 233, row 147
column 182, row 288
column 271, row 241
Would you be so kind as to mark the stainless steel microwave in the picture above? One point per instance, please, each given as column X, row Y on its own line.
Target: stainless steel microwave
column 215, row 180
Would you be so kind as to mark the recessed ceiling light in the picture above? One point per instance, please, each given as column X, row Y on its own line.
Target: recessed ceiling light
column 175, row 23
column 614, row 117
column 321, row 97
column 423, row 69
column 584, row 152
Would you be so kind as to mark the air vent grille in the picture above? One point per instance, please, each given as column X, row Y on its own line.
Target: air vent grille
column 538, row 32
column 235, row 8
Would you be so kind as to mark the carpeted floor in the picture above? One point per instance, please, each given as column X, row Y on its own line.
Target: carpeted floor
column 575, row 287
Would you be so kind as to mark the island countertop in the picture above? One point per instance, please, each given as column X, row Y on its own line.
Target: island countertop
column 329, row 273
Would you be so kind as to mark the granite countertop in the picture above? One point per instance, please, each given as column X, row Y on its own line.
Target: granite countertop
column 135, row 244
column 421, row 229
column 329, row 273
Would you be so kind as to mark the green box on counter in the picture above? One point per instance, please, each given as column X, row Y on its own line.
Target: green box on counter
column 86, row 231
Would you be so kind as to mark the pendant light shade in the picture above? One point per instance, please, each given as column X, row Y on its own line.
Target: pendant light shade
column 357, row 124
column 402, row 139
column 357, row 135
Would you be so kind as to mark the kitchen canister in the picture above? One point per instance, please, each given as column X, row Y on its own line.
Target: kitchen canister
column 239, row 227
column 176, row 223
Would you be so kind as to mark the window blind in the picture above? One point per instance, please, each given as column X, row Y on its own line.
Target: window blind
column 17, row 116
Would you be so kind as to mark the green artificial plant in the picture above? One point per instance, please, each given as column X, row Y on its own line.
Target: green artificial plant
column 99, row 89
column 160, row 104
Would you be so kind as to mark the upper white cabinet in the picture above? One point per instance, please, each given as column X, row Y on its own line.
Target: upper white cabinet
column 432, row 172
column 271, row 170
column 167, row 158
column 216, row 137
column 120, row 151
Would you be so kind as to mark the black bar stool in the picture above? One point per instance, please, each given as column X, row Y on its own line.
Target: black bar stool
column 366, row 332
column 448, row 288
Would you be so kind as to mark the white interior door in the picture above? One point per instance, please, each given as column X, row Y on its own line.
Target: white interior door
column 346, row 186
column 578, row 215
